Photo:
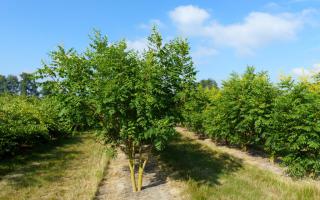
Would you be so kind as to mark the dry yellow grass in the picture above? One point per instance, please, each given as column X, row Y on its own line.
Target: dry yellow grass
column 69, row 169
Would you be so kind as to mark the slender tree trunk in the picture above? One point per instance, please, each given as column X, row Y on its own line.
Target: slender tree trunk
column 132, row 166
column 132, row 175
column 142, row 164
column 140, row 175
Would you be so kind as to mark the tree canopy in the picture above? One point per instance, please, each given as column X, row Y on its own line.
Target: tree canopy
column 133, row 98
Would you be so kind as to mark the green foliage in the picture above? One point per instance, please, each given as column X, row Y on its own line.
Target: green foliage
column 12, row 83
column 20, row 123
column 249, row 110
column 3, row 84
column 25, row 86
column 26, row 121
column 208, row 83
column 133, row 98
column 56, row 122
column 129, row 95
column 67, row 78
column 242, row 108
column 294, row 131
column 28, row 85
column 199, row 100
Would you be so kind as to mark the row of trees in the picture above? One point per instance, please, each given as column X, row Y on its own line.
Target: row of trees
column 26, row 121
column 25, row 85
column 250, row 111
column 134, row 100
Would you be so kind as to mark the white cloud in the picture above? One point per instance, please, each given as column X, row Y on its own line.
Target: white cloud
column 255, row 30
column 305, row 72
column 189, row 18
column 138, row 45
column 189, row 15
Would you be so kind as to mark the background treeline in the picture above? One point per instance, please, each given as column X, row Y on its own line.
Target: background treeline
column 249, row 111
column 23, row 85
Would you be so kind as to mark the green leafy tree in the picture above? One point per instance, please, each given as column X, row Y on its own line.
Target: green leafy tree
column 198, row 102
column 133, row 98
column 28, row 85
column 243, row 107
column 208, row 83
column 13, row 84
column 67, row 78
column 294, row 131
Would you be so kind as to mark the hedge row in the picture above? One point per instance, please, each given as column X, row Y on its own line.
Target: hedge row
column 28, row 121
column 250, row 111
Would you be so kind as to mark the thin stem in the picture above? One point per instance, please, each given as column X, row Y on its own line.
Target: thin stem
column 131, row 154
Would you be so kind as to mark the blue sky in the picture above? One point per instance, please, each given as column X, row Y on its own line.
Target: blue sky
column 281, row 37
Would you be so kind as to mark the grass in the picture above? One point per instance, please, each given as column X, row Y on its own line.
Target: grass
column 210, row 174
column 69, row 168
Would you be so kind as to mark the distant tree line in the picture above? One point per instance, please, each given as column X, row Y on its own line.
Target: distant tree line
column 208, row 83
column 25, row 85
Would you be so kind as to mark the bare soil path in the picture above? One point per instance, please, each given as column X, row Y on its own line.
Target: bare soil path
column 116, row 184
column 261, row 162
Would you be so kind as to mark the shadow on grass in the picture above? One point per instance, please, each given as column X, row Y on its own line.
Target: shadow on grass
column 187, row 160
column 42, row 163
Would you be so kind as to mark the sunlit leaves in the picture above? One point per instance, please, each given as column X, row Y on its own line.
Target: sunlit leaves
column 129, row 96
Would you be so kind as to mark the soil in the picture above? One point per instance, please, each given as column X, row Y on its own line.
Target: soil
column 116, row 184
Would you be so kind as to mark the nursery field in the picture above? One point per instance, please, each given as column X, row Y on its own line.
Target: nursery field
column 246, row 139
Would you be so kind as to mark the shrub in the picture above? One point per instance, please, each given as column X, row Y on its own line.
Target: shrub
column 245, row 102
column 28, row 121
column 56, row 122
column 295, row 129
column 20, row 123
column 192, row 113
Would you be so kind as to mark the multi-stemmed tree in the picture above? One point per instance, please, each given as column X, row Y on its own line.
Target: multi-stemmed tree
column 133, row 98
